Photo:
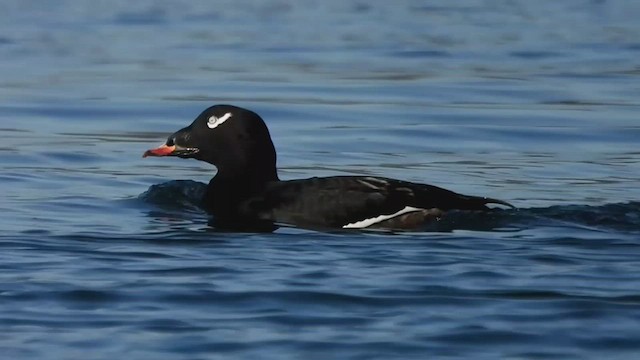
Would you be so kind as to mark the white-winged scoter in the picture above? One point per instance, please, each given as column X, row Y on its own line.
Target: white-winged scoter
column 246, row 193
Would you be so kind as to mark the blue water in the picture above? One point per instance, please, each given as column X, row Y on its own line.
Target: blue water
column 104, row 255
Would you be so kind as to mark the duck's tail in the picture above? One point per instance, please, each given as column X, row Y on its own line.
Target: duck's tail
column 480, row 202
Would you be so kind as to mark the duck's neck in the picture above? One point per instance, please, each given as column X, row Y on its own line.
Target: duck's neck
column 244, row 181
column 230, row 187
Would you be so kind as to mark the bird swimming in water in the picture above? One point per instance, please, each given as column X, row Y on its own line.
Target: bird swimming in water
column 246, row 193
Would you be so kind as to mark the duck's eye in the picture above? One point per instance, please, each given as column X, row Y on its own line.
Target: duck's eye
column 215, row 121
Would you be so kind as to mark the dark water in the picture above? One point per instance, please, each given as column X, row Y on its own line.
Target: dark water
column 104, row 255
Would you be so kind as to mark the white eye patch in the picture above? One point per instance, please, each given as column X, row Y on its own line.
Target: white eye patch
column 215, row 121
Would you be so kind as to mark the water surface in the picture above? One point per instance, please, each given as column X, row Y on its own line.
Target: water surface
column 106, row 255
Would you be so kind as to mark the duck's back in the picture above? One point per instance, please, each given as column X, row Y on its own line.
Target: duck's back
column 355, row 202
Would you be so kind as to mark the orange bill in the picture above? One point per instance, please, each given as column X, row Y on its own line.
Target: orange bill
column 163, row 150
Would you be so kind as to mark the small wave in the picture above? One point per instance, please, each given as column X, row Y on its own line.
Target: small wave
column 176, row 194
column 620, row 216
column 623, row 217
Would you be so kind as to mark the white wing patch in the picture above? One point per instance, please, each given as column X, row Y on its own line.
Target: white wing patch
column 368, row 184
column 373, row 183
column 379, row 182
column 214, row 121
column 368, row 222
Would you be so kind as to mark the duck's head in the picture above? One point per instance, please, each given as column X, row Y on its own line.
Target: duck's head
column 234, row 139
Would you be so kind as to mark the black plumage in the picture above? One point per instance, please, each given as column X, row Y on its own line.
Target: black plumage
column 246, row 192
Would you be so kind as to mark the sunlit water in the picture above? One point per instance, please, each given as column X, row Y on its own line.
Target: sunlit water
column 105, row 255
